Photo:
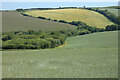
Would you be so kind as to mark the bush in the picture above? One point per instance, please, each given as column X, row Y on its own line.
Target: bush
column 55, row 20
column 111, row 28
column 41, row 17
column 30, row 47
column 62, row 21
column 24, row 14
column 6, row 37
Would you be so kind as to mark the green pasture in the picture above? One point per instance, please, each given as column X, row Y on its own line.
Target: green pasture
column 88, row 56
column 112, row 10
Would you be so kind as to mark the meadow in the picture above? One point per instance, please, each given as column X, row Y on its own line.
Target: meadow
column 112, row 10
column 14, row 21
column 88, row 56
column 89, row 17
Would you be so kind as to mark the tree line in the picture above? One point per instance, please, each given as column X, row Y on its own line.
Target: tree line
column 21, row 10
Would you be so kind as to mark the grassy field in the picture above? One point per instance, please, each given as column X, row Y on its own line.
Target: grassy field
column 89, row 56
column 112, row 10
column 90, row 17
column 13, row 21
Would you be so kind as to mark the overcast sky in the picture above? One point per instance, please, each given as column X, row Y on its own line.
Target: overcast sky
column 59, row 0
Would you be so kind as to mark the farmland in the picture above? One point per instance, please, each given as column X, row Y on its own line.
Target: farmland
column 112, row 10
column 89, row 17
column 88, row 56
column 13, row 21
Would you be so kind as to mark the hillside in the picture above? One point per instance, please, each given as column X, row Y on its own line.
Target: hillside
column 90, row 17
column 88, row 56
column 13, row 21
column 112, row 10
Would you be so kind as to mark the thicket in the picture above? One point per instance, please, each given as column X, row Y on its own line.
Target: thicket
column 31, row 40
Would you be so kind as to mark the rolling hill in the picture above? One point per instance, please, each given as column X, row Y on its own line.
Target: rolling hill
column 90, row 17
column 13, row 21
column 112, row 10
column 88, row 56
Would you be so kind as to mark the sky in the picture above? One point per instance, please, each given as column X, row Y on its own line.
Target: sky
column 24, row 5
column 60, row 0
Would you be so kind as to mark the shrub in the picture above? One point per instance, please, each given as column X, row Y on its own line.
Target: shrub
column 62, row 21
column 111, row 28
column 6, row 37
column 41, row 17
column 55, row 20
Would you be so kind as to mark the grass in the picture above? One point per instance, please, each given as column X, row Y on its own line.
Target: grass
column 90, row 17
column 13, row 21
column 89, row 56
column 112, row 10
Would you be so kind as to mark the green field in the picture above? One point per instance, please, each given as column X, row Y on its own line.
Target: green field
column 13, row 21
column 88, row 56
column 89, row 17
column 112, row 10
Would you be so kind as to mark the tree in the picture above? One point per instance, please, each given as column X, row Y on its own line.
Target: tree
column 62, row 21
column 19, row 10
column 111, row 27
column 6, row 37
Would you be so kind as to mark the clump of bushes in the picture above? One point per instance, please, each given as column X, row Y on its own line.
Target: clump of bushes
column 112, row 27
column 6, row 37
column 31, row 40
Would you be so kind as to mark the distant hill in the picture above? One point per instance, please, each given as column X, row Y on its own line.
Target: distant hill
column 90, row 17
column 14, row 21
column 113, row 9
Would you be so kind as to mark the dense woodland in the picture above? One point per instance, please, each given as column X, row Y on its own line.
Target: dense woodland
column 42, row 40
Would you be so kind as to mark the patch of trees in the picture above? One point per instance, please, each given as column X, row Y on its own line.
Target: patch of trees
column 31, row 40
column 112, row 27
column 63, row 21
column 6, row 37
column 19, row 10
column 116, row 7
column 25, row 14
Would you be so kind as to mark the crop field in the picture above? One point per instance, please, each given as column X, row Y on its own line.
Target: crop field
column 13, row 21
column 89, row 17
column 88, row 56
column 112, row 10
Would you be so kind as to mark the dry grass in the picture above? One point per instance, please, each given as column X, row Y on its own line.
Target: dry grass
column 90, row 17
